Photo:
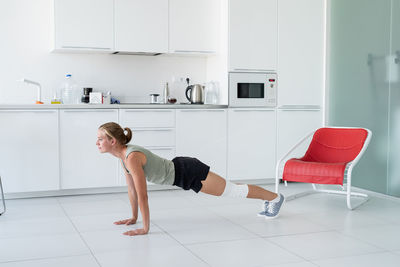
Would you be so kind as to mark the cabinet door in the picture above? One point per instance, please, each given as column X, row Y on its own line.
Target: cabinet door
column 251, row 144
column 141, row 26
column 84, row 24
column 293, row 125
column 193, row 26
column 29, row 150
column 252, row 35
column 202, row 134
column 301, row 52
column 82, row 166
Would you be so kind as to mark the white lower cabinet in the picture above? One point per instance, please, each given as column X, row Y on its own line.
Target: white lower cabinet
column 45, row 150
column 202, row 134
column 29, row 150
column 251, row 144
column 153, row 129
column 82, row 166
column 293, row 125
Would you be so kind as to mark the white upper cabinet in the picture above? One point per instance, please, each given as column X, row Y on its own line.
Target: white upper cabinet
column 252, row 35
column 84, row 25
column 193, row 26
column 141, row 26
column 301, row 52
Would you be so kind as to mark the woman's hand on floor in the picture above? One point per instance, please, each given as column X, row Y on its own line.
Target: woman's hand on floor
column 136, row 232
column 126, row 221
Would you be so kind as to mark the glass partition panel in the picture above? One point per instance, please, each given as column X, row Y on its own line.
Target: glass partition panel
column 358, row 86
column 393, row 64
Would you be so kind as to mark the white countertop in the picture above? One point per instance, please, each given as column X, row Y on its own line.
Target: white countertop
column 112, row 106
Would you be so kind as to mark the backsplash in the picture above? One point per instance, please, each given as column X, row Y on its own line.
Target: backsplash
column 25, row 53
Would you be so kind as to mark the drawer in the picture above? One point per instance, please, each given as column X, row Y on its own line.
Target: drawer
column 143, row 118
column 153, row 137
column 166, row 153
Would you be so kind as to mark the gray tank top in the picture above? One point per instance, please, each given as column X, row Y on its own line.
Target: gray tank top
column 157, row 170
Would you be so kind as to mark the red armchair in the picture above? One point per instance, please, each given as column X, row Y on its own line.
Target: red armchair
column 329, row 159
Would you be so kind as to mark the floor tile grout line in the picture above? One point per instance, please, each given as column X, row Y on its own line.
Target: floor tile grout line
column 80, row 235
column 44, row 258
column 350, row 256
column 220, row 241
column 191, row 252
column 286, row 249
column 358, row 254
column 358, row 239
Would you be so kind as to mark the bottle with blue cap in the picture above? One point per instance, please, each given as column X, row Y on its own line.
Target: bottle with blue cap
column 69, row 91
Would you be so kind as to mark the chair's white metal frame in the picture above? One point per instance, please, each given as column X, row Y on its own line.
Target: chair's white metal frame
column 2, row 197
column 349, row 168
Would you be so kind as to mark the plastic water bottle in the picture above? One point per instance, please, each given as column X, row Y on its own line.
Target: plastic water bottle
column 211, row 93
column 69, row 91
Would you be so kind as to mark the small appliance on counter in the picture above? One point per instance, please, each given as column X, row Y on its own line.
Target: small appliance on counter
column 96, row 98
column 86, row 93
column 247, row 89
column 195, row 94
column 154, row 98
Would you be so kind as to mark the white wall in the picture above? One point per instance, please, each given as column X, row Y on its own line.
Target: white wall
column 25, row 51
column 217, row 66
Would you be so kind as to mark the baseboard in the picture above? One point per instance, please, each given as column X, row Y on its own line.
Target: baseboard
column 110, row 190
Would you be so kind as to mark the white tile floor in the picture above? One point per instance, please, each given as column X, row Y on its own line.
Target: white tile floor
column 200, row 230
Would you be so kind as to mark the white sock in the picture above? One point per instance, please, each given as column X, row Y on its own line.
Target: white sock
column 277, row 199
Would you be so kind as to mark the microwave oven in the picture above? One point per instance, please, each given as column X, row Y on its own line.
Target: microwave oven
column 248, row 89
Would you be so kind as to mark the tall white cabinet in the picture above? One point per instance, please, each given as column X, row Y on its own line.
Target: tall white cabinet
column 29, row 158
column 301, row 53
column 84, row 25
column 253, row 26
column 202, row 134
column 82, row 165
column 141, row 26
column 251, row 144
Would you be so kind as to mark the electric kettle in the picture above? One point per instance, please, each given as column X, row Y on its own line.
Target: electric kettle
column 195, row 94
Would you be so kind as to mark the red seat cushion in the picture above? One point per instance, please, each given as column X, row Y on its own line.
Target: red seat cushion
column 297, row 170
column 326, row 157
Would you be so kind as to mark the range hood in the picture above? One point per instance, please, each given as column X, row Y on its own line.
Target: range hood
column 136, row 53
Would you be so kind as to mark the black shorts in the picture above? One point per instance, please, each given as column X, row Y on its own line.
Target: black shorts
column 189, row 172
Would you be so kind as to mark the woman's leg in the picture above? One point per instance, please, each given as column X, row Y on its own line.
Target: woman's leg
column 215, row 185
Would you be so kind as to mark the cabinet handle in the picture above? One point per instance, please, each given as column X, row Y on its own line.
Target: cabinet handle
column 35, row 111
column 202, row 110
column 194, row 51
column 151, row 110
column 252, row 70
column 151, row 129
column 90, row 110
column 288, row 107
column 249, row 110
column 87, row 47
column 298, row 109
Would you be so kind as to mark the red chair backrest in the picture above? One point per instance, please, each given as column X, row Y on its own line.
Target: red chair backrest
column 336, row 145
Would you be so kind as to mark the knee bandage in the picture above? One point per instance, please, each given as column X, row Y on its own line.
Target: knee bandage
column 235, row 190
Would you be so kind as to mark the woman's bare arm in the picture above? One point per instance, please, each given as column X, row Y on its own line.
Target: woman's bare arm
column 135, row 162
column 132, row 199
